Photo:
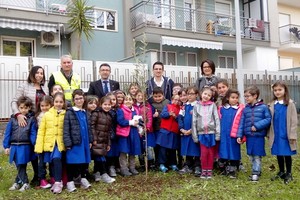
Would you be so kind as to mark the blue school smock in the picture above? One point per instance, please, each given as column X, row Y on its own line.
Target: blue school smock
column 229, row 148
column 168, row 139
column 131, row 144
column 151, row 139
column 114, row 146
column 281, row 145
column 188, row 146
column 208, row 140
column 49, row 156
column 79, row 154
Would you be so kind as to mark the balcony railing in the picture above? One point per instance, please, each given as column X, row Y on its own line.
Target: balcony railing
column 46, row 6
column 146, row 14
column 289, row 34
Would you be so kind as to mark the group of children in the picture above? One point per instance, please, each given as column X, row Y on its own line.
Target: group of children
column 114, row 130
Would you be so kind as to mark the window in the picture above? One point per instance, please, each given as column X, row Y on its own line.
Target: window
column 12, row 46
column 191, row 59
column 169, row 58
column 103, row 19
column 226, row 62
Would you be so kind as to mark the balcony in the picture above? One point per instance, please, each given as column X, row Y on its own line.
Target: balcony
column 165, row 19
column 290, row 38
column 46, row 6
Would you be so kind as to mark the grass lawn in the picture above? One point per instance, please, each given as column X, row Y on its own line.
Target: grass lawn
column 169, row 186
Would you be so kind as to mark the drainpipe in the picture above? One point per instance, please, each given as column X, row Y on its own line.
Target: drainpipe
column 239, row 58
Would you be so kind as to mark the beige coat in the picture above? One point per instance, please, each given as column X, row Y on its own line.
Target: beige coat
column 292, row 122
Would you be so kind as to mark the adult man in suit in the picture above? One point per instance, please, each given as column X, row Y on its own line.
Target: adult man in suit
column 104, row 85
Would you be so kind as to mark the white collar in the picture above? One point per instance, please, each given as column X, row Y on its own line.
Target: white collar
column 192, row 104
column 159, row 84
column 280, row 102
column 77, row 109
column 227, row 106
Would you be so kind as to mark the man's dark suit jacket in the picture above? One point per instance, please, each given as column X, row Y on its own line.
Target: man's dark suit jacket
column 96, row 88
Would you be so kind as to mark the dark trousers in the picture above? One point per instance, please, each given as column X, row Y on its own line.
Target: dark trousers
column 100, row 166
column 165, row 153
column 42, row 168
column 192, row 161
column 74, row 170
column 35, row 167
column 57, row 169
column 22, row 174
column 112, row 161
column 288, row 163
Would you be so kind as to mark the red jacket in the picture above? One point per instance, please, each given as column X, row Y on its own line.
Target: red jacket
column 168, row 122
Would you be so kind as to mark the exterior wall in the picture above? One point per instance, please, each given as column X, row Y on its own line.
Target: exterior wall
column 106, row 45
column 274, row 23
column 293, row 12
column 256, row 59
column 294, row 56
column 41, row 51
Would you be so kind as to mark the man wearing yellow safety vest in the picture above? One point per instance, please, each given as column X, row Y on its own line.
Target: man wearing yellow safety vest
column 68, row 79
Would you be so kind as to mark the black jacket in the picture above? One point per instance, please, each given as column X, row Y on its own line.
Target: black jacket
column 72, row 134
column 96, row 88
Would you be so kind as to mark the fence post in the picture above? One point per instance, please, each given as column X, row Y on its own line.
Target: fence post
column 30, row 63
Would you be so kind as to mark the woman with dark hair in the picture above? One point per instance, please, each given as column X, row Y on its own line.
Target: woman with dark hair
column 208, row 78
column 34, row 89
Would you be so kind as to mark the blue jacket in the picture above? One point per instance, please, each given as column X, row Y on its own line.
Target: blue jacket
column 167, row 88
column 16, row 135
column 257, row 115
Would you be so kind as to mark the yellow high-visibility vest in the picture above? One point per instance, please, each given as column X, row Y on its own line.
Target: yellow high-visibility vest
column 68, row 88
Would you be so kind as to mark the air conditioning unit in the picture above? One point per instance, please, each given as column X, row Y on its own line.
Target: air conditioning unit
column 50, row 39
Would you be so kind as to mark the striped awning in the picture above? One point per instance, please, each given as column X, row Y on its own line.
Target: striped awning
column 191, row 43
column 27, row 25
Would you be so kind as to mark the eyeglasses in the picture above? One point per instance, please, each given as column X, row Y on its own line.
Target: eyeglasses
column 191, row 93
column 78, row 99
column 105, row 70
column 247, row 96
column 158, row 69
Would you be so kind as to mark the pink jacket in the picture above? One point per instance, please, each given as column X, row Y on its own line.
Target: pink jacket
column 145, row 110
column 236, row 121
column 121, row 130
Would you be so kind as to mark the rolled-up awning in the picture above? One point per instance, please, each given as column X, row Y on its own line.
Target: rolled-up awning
column 191, row 43
column 27, row 25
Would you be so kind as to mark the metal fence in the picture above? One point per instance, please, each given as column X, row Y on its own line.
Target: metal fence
column 14, row 71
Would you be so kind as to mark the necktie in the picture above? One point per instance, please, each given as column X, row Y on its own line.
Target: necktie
column 105, row 87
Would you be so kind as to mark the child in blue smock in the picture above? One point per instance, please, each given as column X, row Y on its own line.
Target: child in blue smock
column 78, row 140
column 283, row 131
column 18, row 142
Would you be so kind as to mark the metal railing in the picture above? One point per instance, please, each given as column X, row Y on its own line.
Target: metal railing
column 289, row 33
column 149, row 14
column 46, row 6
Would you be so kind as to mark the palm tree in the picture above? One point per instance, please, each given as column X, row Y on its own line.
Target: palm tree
column 79, row 22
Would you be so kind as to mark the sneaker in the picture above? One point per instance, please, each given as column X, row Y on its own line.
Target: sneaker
column 15, row 186
column 203, row 174
column 52, row 180
column 71, row 186
column 24, row 187
column 125, row 172
column 254, row 178
column 185, row 170
column 57, row 187
column 279, row 175
column 44, row 184
column 163, row 168
column 77, row 180
column 112, row 171
column 209, row 174
column 288, row 178
column 241, row 167
column 232, row 175
column 85, row 184
column 174, row 167
column 197, row 172
column 97, row 177
column 107, row 179
column 133, row 171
